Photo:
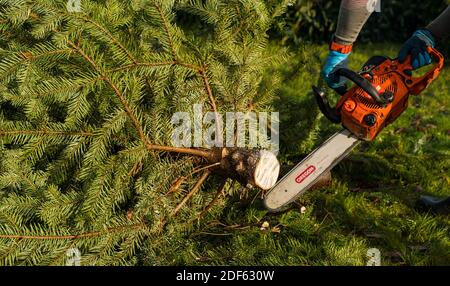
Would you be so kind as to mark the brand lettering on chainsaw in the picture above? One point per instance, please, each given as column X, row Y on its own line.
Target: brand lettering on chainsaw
column 305, row 174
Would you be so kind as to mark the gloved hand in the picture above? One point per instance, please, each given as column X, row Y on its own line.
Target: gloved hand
column 416, row 46
column 334, row 61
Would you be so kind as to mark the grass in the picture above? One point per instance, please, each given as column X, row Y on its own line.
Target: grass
column 372, row 199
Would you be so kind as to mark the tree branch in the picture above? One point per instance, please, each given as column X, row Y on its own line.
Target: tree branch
column 190, row 151
column 194, row 190
column 220, row 192
column 191, row 193
column 209, row 92
column 208, row 89
column 166, row 29
column 108, row 33
column 157, row 64
column 127, row 67
column 46, row 132
column 132, row 116
column 77, row 236
column 30, row 56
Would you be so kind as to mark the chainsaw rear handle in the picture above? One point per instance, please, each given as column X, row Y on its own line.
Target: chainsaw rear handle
column 417, row 84
column 362, row 83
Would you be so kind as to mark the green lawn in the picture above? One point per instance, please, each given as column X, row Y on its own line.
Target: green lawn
column 372, row 200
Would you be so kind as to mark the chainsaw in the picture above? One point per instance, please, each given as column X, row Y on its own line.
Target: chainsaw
column 378, row 97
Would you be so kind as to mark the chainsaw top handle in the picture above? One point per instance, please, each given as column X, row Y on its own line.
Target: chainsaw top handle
column 362, row 83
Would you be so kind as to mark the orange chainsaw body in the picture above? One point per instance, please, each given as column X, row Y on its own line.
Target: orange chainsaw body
column 362, row 115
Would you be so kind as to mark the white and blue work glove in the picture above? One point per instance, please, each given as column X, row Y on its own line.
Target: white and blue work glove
column 416, row 46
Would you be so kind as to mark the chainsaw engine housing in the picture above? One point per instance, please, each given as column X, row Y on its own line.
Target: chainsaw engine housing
column 360, row 113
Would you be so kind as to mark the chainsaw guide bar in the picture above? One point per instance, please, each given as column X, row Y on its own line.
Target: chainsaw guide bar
column 308, row 171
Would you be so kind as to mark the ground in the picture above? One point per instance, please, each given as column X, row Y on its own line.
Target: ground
column 372, row 202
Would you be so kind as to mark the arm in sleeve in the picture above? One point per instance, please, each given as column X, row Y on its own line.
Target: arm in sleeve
column 353, row 14
column 440, row 27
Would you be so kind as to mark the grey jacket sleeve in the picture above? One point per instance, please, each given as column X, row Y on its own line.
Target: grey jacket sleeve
column 440, row 27
column 353, row 14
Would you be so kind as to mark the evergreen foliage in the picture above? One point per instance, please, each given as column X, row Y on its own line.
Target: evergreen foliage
column 85, row 157
column 86, row 101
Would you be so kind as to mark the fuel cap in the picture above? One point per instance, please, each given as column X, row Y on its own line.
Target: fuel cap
column 350, row 105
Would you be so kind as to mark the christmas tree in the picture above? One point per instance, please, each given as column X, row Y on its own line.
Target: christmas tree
column 87, row 93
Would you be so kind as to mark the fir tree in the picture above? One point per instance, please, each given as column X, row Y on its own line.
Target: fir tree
column 86, row 101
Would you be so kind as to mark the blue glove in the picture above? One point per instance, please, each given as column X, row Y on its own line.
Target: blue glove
column 334, row 61
column 416, row 46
